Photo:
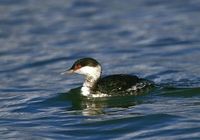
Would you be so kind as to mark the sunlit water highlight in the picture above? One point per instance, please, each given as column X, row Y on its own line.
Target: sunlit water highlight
column 157, row 40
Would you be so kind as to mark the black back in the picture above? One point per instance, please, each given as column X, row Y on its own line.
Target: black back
column 116, row 83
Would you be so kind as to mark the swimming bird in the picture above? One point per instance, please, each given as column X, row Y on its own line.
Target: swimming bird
column 113, row 85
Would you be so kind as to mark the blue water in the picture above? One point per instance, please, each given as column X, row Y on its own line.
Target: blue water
column 154, row 39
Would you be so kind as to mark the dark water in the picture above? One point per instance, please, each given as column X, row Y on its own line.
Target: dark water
column 155, row 39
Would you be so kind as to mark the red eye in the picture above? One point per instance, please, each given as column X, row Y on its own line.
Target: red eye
column 78, row 66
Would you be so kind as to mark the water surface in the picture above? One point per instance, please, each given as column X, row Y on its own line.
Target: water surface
column 157, row 40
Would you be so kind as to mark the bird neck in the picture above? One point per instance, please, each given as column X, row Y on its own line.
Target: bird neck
column 90, row 81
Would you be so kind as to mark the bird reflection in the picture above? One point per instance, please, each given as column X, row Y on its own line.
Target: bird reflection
column 97, row 106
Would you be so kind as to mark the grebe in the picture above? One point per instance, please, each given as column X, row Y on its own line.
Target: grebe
column 112, row 85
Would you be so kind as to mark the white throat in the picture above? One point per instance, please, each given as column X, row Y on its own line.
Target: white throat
column 92, row 75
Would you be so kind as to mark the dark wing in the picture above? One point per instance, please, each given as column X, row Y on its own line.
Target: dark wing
column 116, row 83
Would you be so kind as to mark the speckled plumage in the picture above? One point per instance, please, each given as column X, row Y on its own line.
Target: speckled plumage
column 120, row 83
column 113, row 85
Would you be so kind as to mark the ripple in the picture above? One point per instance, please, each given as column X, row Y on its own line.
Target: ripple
column 156, row 40
column 35, row 64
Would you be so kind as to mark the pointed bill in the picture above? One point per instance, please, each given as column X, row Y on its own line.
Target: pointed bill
column 70, row 71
